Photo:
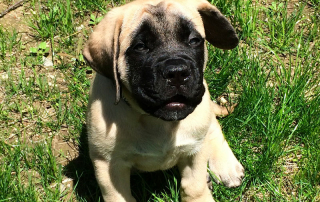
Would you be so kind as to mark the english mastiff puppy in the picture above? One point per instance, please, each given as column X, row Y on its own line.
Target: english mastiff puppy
column 150, row 107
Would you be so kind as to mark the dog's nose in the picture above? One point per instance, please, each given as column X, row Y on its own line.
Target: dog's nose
column 177, row 73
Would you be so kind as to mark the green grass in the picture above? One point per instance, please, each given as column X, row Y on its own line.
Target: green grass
column 273, row 75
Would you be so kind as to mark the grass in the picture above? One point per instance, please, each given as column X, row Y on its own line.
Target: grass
column 273, row 75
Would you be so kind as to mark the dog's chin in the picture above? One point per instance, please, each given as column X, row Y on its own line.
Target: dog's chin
column 173, row 111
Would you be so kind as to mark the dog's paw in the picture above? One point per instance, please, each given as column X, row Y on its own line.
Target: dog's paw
column 222, row 111
column 228, row 171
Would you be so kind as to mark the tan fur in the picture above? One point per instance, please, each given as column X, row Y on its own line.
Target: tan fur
column 122, row 137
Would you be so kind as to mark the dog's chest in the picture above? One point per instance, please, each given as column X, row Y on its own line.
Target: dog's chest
column 161, row 149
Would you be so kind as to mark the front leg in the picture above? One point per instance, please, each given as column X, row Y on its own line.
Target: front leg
column 114, row 180
column 222, row 162
column 193, row 170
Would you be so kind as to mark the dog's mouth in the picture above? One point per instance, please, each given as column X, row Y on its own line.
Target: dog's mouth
column 176, row 108
column 169, row 108
column 177, row 102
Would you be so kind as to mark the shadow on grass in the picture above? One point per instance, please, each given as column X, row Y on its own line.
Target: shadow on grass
column 143, row 185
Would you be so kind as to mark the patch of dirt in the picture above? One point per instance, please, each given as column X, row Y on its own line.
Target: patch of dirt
column 16, row 20
column 2, row 92
column 27, row 175
column 64, row 151
column 288, row 165
column 66, row 187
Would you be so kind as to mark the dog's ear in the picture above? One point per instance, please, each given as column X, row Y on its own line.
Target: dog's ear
column 219, row 31
column 102, row 49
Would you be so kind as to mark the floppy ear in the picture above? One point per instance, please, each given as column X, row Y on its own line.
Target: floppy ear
column 219, row 31
column 102, row 49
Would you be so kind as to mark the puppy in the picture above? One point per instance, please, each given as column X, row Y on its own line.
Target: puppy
column 150, row 107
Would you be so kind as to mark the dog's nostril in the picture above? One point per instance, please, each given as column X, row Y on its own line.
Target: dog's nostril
column 185, row 74
column 176, row 75
column 171, row 75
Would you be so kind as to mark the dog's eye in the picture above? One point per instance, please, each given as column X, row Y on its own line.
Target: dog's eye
column 195, row 41
column 141, row 47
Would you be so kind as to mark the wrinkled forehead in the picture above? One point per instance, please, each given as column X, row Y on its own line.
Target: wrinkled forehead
column 166, row 17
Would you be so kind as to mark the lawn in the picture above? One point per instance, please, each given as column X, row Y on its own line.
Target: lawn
column 273, row 76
